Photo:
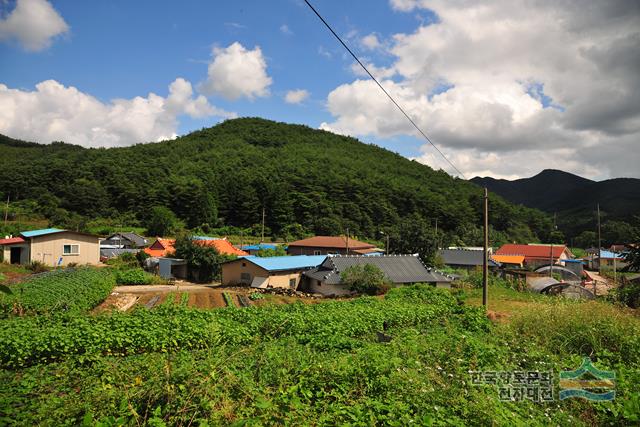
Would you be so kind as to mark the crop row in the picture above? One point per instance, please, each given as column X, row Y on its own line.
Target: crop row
column 331, row 325
column 65, row 290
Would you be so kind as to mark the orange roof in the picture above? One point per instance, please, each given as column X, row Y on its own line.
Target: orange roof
column 223, row 246
column 509, row 259
column 331, row 242
column 161, row 247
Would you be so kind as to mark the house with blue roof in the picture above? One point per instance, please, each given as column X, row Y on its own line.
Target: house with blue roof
column 52, row 247
column 254, row 249
column 264, row 272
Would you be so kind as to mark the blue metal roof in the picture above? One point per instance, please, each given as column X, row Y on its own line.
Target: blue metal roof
column 44, row 231
column 281, row 263
column 609, row 254
column 258, row 247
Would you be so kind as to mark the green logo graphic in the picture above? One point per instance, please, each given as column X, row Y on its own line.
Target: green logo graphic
column 603, row 381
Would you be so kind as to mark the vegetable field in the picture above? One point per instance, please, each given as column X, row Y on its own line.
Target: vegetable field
column 321, row 364
column 58, row 291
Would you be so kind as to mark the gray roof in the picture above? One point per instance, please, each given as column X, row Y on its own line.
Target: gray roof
column 134, row 238
column 112, row 253
column 469, row 257
column 397, row 268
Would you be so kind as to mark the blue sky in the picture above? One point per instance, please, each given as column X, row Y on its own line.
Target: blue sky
column 123, row 49
column 506, row 88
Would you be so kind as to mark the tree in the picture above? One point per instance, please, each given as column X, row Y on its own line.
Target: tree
column 267, row 252
column 632, row 258
column 161, row 222
column 586, row 239
column 365, row 279
column 203, row 262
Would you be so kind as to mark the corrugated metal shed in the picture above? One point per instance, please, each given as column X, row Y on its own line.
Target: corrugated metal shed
column 397, row 268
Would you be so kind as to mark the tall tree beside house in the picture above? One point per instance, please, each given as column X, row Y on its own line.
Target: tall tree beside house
column 203, row 262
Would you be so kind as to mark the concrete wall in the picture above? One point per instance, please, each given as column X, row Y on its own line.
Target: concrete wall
column 232, row 272
column 232, row 275
column 48, row 249
column 24, row 253
column 315, row 286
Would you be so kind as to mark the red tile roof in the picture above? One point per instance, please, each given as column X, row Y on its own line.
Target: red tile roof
column 331, row 242
column 11, row 241
column 161, row 247
column 532, row 251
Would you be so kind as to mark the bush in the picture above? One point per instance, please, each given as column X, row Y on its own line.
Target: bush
column 256, row 296
column 37, row 267
column 366, row 279
column 134, row 276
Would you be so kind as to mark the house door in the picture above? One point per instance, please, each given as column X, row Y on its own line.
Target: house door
column 15, row 255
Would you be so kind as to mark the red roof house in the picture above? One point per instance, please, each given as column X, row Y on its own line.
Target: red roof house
column 164, row 247
column 537, row 254
column 323, row 245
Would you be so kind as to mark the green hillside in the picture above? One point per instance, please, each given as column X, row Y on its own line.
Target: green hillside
column 307, row 180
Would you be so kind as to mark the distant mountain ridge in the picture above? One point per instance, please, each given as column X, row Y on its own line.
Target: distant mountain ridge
column 571, row 197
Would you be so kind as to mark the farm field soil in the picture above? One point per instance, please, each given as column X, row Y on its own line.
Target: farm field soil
column 200, row 296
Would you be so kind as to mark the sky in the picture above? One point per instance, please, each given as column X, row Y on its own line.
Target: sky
column 505, row 88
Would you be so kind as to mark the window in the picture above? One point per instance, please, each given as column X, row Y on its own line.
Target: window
column 70, row 249
column 317, row 253
column 244, row 264
column 245, row 277
column 292, row 283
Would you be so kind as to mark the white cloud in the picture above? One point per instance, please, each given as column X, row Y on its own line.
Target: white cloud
column 284, row 29
column 324, row 52
column 371, row 42
column 236, row 72
column 516, row 80
column 296, row 96
column 33, row 23
column 54, row 112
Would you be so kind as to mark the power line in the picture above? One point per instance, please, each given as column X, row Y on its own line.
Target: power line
column 383, row 89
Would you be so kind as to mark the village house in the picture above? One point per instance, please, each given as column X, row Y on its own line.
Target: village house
column 326, row 245
column 275, row 272
column 123, row 240
column 607, row 260
column 509, row 261
column 165, row 247
column 326, row 279
column 468, row 259
column 536, row 255
column 52, row 247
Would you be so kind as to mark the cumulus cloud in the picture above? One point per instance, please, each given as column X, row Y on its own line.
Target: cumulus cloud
column 370, row 42
column 296, row 96
column 236, row 72
column 512, row 81
column 33, row 23
column 54, row 112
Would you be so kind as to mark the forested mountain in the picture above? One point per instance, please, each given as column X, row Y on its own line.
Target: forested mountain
column 573, row 200
column 307, row 181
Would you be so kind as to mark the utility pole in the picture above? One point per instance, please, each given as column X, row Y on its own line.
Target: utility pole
column 437, row 245
column 262, row 241
column 485, row 260
column 387, row 247
column 551, row 260
column 599, row 243
column 6, row 211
